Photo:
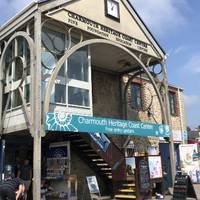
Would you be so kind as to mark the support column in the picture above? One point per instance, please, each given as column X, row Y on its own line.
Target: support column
column 36, row 95
column 168, row 121
column 1, row 95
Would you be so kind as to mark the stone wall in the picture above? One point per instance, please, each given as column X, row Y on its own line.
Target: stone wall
column 106, row 94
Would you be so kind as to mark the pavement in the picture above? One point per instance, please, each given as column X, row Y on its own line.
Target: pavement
column 196, row 188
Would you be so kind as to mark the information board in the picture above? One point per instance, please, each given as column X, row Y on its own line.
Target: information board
column 155, row 167
column 183, row 188
column 144, row 179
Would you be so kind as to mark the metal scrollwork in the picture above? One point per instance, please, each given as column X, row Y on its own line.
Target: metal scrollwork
column 20, row 77
column 70, row 36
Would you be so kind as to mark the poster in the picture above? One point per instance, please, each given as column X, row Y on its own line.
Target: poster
column 92, row 184
column 101, row 139
column 58, row 161
column 155, row 167
column 130, row 166
column 189, row 158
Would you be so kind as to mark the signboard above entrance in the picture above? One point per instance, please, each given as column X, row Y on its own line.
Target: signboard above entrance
column 101, row 30
column 67, row 122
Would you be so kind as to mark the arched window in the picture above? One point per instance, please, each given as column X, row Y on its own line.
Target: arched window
column 72, row 86
column 17, row 62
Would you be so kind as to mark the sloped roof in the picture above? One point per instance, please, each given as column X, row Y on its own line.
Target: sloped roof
column 40, row 3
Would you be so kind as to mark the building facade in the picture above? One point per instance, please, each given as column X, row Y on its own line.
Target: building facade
column 81, row 95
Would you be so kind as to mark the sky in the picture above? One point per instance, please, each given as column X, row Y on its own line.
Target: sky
column 175, row 25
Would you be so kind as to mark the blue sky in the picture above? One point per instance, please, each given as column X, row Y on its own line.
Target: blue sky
column 175, row 25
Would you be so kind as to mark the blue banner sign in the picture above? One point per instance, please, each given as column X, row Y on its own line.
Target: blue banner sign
column 76, row 123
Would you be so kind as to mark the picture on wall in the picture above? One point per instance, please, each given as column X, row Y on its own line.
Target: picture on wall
column 155, row 167
column 101, row 139
column 130, row 166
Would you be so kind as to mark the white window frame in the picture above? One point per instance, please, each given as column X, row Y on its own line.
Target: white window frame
column 64, row 80
column 12, row 85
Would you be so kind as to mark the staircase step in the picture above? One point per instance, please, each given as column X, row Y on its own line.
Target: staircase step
column 92, row 155
column 98, row 160
column 74, row 135
column 83, row 145
column 88, row 150
column 127, row 190
column 101, row 164
column 105, row 169
column 108, row 173
column 129, row 184
column 119, row 196
column 79, row 141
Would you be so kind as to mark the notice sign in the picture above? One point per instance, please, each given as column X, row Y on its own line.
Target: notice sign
column 155, row 167
column 67, row 122
column 190, row 162
column 100, row 30
column 183, row 188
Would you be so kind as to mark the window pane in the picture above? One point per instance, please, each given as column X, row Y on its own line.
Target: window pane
column 17, row 101
column 136, row 96
column 48, row 61
column 60, row 93
column 172, row 102
column 18, row 69
column 8, row 58
column 5, row 99
column 62, row 71
column 27, row 93
column 78, row 65
column 24, row 51
column 53, row 41
column 20, row 46
column 27, row 57
column 78, row 96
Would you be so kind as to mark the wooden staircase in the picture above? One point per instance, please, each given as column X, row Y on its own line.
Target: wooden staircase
column 126, row 191
column 84, row 149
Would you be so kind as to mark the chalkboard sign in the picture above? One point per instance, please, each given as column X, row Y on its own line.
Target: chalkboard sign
column 144, row 178
column 183, row 188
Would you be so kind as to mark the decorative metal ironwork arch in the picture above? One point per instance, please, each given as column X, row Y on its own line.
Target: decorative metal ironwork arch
column 29, row 40
column 73, row 49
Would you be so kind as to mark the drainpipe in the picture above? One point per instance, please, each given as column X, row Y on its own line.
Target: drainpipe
column 181, row 114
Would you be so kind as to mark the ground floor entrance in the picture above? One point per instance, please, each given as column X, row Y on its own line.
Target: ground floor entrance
column 81, row 165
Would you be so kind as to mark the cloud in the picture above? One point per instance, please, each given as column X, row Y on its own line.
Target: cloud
column 179, row 50
column 162, row 16
column 193, row 64
column 191, row 100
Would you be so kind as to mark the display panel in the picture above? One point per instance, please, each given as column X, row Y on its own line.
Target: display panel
column 155, row 167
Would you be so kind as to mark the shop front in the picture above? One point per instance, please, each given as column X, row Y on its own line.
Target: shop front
column 93, row 137
column 66, row 79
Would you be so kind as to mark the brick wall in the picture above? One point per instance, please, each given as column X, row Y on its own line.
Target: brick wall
column 106, row 103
